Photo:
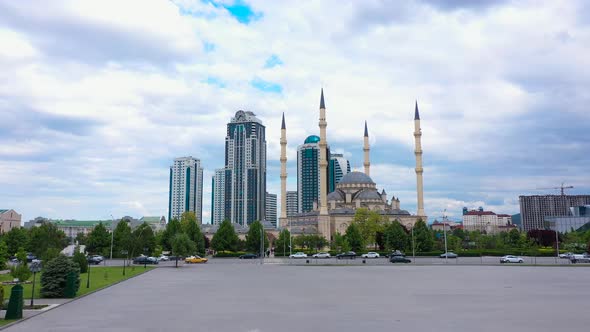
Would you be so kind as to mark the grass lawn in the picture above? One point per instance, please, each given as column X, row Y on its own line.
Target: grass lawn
column 6, row 322
column 100, row 276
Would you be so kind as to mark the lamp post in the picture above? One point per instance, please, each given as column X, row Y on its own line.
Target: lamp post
column 413, row 245
column 88, row 276
column 446, row 251
column 112, row 236
column 261, row 243
column 124, row 252
column 34, row 267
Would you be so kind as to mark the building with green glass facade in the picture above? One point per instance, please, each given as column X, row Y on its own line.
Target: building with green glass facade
column 308, row 183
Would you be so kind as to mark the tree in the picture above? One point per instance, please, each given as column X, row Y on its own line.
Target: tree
column 182, row 246
column 340, row 243
column 21, row 270
column 44, row 237
column 396, row 237
column 253, row 237
column 80, row 259
column 190, row 227
column 172, row 228
column 369, row 222
column 3, row 254
column 282, row 243
column 422, row 236
column 15, row 239
column 143, row 240
column 225, row 239
column 514, row 237
column 81, row 239
column 55, row 276
column 99, row 240
column 50, row 254
column 355, row 238
column 121, row 239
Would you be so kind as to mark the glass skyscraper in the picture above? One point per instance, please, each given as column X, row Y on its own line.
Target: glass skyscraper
column 308, row 183
column 338, row 167
column 186, row 188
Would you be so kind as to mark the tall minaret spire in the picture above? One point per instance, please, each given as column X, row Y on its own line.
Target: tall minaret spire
column 419, row 169
column 323, row 217
column 283, row 217
column 366, row 150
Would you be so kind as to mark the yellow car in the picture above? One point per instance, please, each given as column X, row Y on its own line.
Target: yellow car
column 195, row 259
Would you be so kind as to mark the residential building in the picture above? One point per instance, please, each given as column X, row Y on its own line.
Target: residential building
column 339, row 166
column 534, row 209
column 448, row 224
column 9, row 219
column 485, row 221
column 245, row 164
column 308, row 174
column 291, row 203
column 186, row 188
column 271, row 209
column 218, row 196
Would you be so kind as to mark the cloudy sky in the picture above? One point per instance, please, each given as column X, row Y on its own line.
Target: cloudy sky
column 98, row 97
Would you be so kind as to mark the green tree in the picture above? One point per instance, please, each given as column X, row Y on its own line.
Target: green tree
column 460, row 233
column 16, row 238
column 50, row 254
column 99, row 240
column 282, row 243
column 143, row 240
column 190, row 227
column 225, row 239
column 121, row 239
column 55, row 275
column 422, row 236
column 355, row 238
column 396, row 237
column 514, row 237
column 340, row 243
column 3, row 254
column 44, row 237
column 172, row 228
column 81, row 239
column 182, row 246
column 21, row 270
column 253, row 237
column 80, row 259
column 369, row 222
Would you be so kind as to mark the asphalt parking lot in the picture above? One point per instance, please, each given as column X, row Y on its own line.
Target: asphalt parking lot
column 234, row 295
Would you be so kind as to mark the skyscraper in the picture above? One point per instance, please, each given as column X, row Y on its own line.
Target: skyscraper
column 218, row 196
column 534, row 209
column 245, row 169
column 186, row 188
column 291, row 204
column 338, row 167
column 271, row 208
column 308, row 176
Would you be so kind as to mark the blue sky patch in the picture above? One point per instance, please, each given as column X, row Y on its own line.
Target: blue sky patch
column 240, row 10
column 212, row 80
column 208, row 47
column 266, row 86
column 273, row 61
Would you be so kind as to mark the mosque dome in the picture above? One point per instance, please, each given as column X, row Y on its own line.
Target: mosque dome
column 336, row 195
column 368, row 194
column 356, row 178
column 312, row 139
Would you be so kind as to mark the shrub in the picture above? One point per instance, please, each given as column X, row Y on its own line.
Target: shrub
column 21, row 271
column 1, row 297
column 54, row 278
column 229, row 253
column 50, row 254
column 81, row 260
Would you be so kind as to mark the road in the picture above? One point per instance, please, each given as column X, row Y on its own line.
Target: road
column 243, row 296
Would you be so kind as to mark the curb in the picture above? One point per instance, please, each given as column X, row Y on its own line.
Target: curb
column 72, row 300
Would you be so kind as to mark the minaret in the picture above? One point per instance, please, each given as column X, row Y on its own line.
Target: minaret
column 283, row 217
column 323, row 218
column 366, row 150
column 419, row 169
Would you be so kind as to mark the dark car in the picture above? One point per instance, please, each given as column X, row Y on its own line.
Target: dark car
column 30, row 257
column 248, row 256
column 399, row 259
column 346, row 255
column 95, row 259
column 145, row 260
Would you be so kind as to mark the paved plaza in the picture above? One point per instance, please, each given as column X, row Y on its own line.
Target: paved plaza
column 250, row 297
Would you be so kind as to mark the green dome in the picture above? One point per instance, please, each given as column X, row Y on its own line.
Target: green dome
column 312, row 139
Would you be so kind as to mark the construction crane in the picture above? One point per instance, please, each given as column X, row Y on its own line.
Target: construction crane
column 562, row 187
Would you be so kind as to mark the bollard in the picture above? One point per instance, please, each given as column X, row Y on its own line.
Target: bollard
column 15, row 304
column 364, row 261
column 307, row 261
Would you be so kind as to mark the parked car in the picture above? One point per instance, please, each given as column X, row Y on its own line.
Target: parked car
column 399, row 258
column 248, row 256
column 30, row 257
column 449, row 254
column 395, row 253
column 370, row 254
column 567, row 255
column 511, row 259
column 145, row 260
column 348, row 254
column 195, row 259
column 322, row 255
column 164, row 258
column 95, row 259
column 582, row 258
column 298, row 255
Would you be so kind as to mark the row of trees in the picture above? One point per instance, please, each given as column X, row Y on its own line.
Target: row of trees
column 45, row 242
column 226, row 238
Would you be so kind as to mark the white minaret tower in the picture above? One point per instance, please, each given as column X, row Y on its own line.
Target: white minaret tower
column 366, row 150
column 283, row 217
column 419, row 169
column 323, row 218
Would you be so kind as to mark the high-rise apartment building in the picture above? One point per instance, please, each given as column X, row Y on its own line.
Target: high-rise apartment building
column 218, row 196
column 245, row 169
column 534, row 209
column 186, row 188
column 291, row 203
column 308, row 176
column 271, row 208
column 339, row 166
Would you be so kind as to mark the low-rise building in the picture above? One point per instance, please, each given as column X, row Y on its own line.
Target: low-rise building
column 486, row 221
column 9, row 219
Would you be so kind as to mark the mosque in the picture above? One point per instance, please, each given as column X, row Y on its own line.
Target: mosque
column 336, row 210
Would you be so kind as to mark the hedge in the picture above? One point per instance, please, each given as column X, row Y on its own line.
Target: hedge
column 228, row 254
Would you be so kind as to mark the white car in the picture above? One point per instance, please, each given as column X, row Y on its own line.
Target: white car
column 511, row 259
column 321, row 255
column 370, row 254
column 164, row 258
column 567, row 255
column 298, row 255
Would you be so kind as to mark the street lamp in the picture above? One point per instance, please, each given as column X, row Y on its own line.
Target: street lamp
column 88, row 277
column 34, row 267
column 413, row 245
column 112, row 236
column 124, row 253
